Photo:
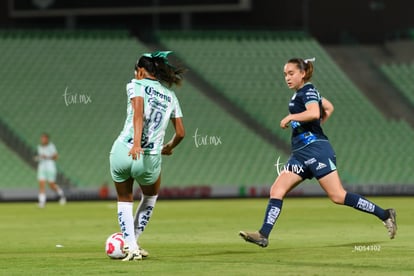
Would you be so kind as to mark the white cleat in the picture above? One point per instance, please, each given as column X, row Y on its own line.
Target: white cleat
column 144, row 253
column 133, row 256
column 62, row 201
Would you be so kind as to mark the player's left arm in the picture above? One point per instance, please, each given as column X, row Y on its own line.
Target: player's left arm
column 54, row 155
column 138, row 122
column 177, row 138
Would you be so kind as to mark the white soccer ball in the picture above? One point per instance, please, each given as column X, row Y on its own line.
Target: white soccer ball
column 114, row 246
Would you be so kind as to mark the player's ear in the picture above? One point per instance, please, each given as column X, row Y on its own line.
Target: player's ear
column 140, row 74
column 303, row 73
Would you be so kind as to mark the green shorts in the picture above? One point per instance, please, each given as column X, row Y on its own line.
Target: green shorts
column 144, row 170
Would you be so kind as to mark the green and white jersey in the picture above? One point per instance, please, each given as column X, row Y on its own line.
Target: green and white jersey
column 45, row 154
column 160, row 105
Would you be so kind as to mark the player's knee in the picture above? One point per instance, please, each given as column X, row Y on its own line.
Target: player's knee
column 277, row 192
column 125, row 198
column 124, row 195
column 150, row 190
column 337, row 198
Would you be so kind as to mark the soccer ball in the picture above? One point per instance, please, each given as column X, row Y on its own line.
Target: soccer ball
column 114, row 246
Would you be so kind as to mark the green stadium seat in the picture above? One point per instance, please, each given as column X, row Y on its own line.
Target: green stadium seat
column 15, row 173
column 39, row 67
column 401, row 75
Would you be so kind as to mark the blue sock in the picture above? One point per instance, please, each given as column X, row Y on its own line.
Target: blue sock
column 362, row 204
column 273, row 210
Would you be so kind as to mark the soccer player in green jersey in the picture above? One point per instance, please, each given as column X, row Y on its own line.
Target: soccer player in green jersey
column 46, row 170
column 136, row 153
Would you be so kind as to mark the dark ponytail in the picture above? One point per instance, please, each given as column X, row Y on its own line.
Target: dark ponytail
column 161, row 70
column 303, row 65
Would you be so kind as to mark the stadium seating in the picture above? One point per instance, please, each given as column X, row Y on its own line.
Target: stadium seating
column 15, row 173
column 72, row 85
column 401, row 75
column 248, row 70
column 226, row 153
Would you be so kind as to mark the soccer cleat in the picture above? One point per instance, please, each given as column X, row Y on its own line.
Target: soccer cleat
column 144, row 253
column 133, row 256
column 391, row 223
column 62, row 200
column 254, row 237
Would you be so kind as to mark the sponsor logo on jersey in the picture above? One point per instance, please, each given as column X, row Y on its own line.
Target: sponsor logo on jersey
column 157, row 104
column 311, row 94
column 150, row 91
column 311, row 89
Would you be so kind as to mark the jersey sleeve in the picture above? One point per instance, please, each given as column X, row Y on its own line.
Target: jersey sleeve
column 53, row 149
column 176, row 112
column 135, row 89
column 311, row 96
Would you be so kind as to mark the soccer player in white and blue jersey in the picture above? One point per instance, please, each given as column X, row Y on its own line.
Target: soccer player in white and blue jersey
column 136, row 153
column 312, row 155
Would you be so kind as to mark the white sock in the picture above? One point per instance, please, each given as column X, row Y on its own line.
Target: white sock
column 126, row 222
column 143, row 213
column 42, row 199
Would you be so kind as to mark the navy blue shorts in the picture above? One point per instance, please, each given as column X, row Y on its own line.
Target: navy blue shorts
column 315, row 160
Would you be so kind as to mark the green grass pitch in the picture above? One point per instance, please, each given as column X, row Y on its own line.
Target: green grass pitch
column 200, row 237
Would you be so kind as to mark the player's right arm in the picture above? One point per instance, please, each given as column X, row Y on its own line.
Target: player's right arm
column 327, row 110
column 177, row 138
